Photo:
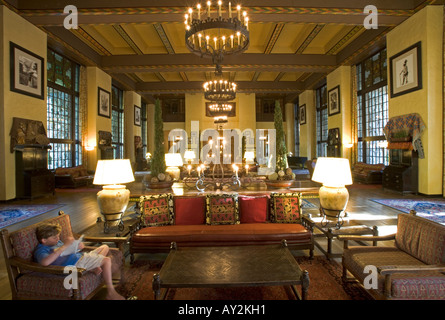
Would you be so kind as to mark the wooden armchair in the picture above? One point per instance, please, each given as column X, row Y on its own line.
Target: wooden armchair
column 411, row 269
column 29, row 280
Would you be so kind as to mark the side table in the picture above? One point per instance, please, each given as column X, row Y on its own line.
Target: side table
column 330, row 232
column 95, row 233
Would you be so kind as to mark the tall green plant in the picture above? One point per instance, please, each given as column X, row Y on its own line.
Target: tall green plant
column 158, row 161
column 281, row 150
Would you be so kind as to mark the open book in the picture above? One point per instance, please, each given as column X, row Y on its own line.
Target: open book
column 73, row 248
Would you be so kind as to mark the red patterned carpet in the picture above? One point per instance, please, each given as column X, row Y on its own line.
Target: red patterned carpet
column 325, row 284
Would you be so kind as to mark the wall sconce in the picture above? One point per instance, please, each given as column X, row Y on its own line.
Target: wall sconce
column 349, row 145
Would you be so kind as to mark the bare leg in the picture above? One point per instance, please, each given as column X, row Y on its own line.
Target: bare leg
column 112, row 293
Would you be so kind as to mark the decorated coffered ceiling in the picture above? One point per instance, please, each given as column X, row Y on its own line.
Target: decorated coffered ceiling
column 293, row 43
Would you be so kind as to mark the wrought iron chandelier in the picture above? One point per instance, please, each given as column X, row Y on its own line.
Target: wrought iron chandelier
column 217, row 35
column 219, row 91
column 220, row 109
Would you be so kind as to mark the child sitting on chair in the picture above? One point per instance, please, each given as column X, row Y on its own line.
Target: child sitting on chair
column 50, row 248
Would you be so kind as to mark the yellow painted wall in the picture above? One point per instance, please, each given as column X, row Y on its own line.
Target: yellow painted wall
column 131, row 99
column 96, row 78
column 308, row 146
column 342, row 77
column 425, row 26
column 21, row 32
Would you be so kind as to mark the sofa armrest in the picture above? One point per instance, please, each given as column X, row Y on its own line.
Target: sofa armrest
column 388, row 270
column 346, row 238
column 33, row 266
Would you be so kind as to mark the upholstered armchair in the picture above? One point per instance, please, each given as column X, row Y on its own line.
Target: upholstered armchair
column 29, row 280
column 414, row 268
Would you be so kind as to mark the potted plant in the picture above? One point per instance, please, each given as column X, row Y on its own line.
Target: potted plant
column 283, row 175
column 158, row 178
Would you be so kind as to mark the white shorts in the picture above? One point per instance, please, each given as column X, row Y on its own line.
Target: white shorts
column 90, row 260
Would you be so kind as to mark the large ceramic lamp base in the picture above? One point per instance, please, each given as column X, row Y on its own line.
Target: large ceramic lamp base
column 333, row 201
column 113, row 201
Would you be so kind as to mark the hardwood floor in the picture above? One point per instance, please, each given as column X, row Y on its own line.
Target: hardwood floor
column 83, row 210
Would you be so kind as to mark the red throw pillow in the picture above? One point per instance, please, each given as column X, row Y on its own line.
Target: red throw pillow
column 189, row 210
column 253, row 209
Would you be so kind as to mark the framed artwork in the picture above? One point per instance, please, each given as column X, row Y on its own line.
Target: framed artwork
column 137, row 116
column 103, row 103
column 334, row 101
column 302, row 114
column 406, row 71
column 26, row 72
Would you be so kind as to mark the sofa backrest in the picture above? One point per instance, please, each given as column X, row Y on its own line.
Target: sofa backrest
column 75, row 172
column 361, row 166
column 24, row 241
column 421, row 238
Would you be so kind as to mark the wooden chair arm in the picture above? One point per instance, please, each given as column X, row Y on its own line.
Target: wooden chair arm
column 387, row 270
column 346, row 239
column 33, row 266
column 367, row 238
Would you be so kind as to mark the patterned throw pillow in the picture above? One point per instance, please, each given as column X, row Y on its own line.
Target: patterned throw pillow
column 285, row 207
column 157, row 210
column 222, row 209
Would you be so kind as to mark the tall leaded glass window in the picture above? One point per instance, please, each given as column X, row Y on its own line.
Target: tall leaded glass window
column 144, row 127
column 117, row 122
column 64, row 118
column 297, row 130
column 372, row 108
column 321, row 101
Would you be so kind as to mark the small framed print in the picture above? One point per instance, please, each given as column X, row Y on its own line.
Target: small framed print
column 302, row 114
column 103, row 103
column 334, row 101
column 137, row 116
column 26, row 72
column 406, row 71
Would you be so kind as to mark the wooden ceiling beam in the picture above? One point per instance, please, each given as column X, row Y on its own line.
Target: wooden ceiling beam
column 243, row 62
column 196, row 86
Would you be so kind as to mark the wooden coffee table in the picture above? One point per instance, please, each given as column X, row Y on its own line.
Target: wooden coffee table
column 235, row 266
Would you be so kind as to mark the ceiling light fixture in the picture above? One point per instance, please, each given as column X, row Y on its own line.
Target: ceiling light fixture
column 219, row 91
column 217, row 36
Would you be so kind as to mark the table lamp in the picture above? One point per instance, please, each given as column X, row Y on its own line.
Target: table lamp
column 334, row 174
column 173, row 161
column 113, row 198
column 249, row 156
column 189, row 155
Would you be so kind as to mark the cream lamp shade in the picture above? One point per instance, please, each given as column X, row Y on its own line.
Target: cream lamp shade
column 189, row 155
column 173, row 161
column 113, row 198
column 249, row 155
column 113, row 172
column 334, row 173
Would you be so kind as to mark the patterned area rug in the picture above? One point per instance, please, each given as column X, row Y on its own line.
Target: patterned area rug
column 324, row 276
column 427, row 208
column 10, row 214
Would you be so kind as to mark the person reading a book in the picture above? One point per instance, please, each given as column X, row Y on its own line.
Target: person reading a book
column 52, row 251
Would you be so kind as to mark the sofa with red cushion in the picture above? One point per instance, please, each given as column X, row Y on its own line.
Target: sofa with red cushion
column 220, row 220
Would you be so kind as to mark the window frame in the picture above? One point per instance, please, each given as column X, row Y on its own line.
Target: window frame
column 74, row 142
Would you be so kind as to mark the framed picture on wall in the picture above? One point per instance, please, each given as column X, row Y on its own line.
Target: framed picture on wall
column 334, row 101
column 137, row 116
column 26, row 72
column 103, row 103
column 302, row 114
column 406, row 70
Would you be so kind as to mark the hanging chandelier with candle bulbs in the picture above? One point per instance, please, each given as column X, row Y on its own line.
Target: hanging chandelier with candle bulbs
column 219, row 91
column 216, row 32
